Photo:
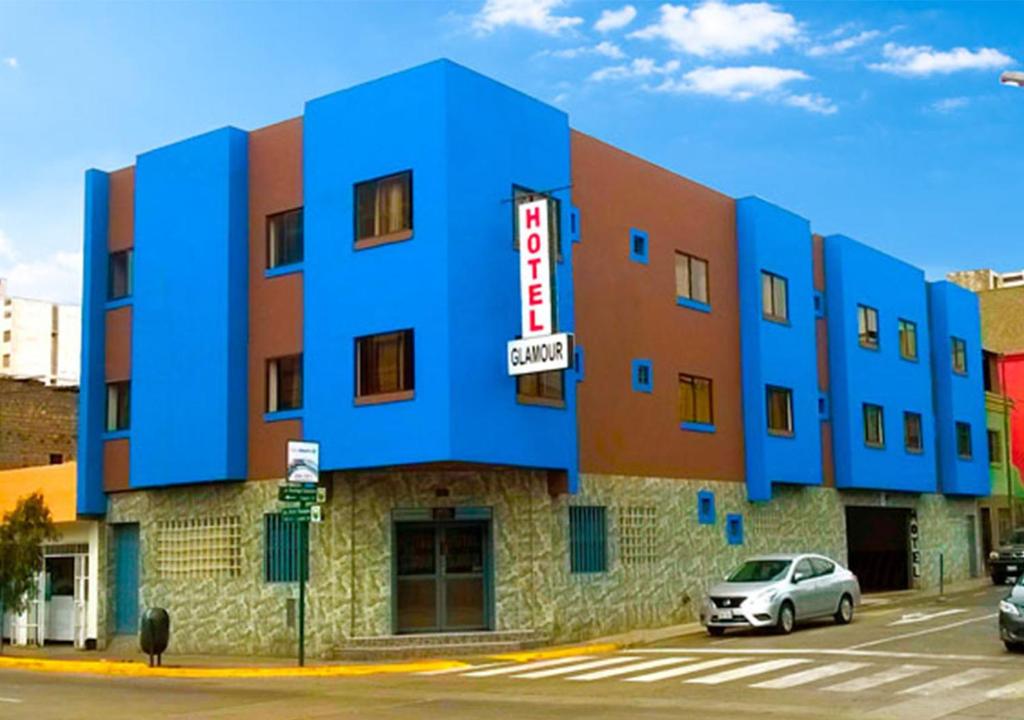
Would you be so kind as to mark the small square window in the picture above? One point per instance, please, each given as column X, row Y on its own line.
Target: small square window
column 284, row 383
column 638, row 246
column 734, row 529
column 384, row 210
column 119, row 280
column 695, row 401
column 118, row 406
column 908, row 339
column 706, row 507
column 588, row 539
column 913, row 439
column 384, row 365
column 56, row 458
column 779, row 402
column 867, row 327
column 284, row 239
column 643, row 376
column 959, row 349
column 874, row 426
column 963, row 441
column 774, row 297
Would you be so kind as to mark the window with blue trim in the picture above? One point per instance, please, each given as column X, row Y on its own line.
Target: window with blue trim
column 284, row 383
column 284, row 238
column 774, row 297
column 588, row 539
column 706, row 507
column 638, row 246
column 734, row 529
column 692, row 282
column 695, row 403
column 282, row 543
column 643, row 376
column 119, row 405
column 119, row 275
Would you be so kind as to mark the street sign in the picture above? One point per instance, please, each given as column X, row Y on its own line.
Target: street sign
column 299, row 493
column 303, row 462
column 296, row 514
column 540, row 354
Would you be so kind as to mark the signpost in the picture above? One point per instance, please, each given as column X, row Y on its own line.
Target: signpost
column 303, row 500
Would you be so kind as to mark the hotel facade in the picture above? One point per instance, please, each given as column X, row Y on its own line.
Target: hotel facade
column 737, row 384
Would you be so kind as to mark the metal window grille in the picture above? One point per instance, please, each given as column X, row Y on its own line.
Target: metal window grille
column 282, row 545
column 200, row 547
column 588, row 539
column 66, row 549
column 638, row 535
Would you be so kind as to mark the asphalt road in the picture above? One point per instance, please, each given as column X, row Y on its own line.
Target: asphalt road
column 927, row 660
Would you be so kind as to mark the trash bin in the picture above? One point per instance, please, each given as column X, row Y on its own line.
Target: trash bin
column 154, row 634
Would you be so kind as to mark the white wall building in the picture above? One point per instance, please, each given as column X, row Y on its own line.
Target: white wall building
column 40, row 339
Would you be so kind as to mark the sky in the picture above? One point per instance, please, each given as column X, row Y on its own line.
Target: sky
column 881, row 121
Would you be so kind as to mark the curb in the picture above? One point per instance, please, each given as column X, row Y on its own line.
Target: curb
column 558, row 652
column 139, row 670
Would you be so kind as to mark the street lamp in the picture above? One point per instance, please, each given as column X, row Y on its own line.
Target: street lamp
column 1012, row 77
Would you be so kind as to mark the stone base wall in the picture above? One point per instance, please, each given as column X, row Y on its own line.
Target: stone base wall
column 350, row 589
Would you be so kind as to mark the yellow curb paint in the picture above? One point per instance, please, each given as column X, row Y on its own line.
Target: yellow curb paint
column 140, row 670
column 529, row 655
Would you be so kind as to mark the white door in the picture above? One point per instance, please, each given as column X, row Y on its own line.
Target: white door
column 81, row 600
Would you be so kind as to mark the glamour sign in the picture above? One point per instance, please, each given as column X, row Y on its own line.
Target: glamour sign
column 540, row 349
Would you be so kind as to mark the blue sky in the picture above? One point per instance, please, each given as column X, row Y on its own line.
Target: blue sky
column 882, row 121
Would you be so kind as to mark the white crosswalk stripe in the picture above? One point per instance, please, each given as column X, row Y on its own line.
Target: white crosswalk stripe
column 805, row 677
column 885, row 677
column 750, row 670
column 685, row 670
column 521, row 667
column 461, row 668
column 1013, row 691
column 570, row 669
column 951, row 682
column 630, row 669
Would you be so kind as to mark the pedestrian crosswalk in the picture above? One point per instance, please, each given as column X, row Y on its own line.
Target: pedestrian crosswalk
column 816, row 672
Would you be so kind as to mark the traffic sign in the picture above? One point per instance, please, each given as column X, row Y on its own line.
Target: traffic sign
column 296, row 514
column 298, row 493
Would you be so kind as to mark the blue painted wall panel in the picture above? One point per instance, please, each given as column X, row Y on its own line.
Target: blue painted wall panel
column 857, row 274
column 190, row 312
column 775, row 240
column 958, row 397
column 92, row 393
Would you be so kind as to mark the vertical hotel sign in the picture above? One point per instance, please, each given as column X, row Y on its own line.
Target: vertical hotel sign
column 540, row 348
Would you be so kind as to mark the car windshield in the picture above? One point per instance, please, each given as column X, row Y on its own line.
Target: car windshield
column 760, row 571
column 1017, row 537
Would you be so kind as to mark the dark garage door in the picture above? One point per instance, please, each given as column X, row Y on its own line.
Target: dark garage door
column 878, row 546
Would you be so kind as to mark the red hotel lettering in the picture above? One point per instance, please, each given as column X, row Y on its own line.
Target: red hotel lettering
column 535, row 298
column 534, row 327
column 533, row 243
column 533, row 263
column 532, row 218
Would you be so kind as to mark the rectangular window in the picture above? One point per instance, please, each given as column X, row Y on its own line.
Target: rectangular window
column 284, row 383
column 119, row 280
column 56, row 458
column 867, row 327
column 692, row 278
column 7, row 335
column 384, row 209
column 638, row 535
column 913, row 440
column 588, row 539
column 118, row 405
column 199, row 547
column 874, row 426
column 959, row 356
column 995, row 447
column 695, row 400
column 541, row 388
column 7, row 361
column 282, row 543
column 780, row 410
column 284, row 238
column 638, row 246
column 908, row 339
column 963, row 441
column 384, row 365
column 774, row 297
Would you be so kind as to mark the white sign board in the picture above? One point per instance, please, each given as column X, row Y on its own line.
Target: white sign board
column 535, row 268
column 303, row 462
column 540, row 354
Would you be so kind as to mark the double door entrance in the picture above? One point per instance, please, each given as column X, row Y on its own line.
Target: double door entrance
column 443, row 576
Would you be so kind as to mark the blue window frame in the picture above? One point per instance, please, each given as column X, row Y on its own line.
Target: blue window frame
column 282, row 542
column 706, row 507
column 734, row 529
column 638, row 246
column 579, row 361
column 643, row 376
column 588, row 539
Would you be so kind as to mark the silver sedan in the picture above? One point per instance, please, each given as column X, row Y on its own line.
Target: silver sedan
column 777, row 591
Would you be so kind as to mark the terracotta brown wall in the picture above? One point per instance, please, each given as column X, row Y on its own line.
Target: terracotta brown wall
column 275, row 304
column 118, row 333
column 626, row 310
column 821, row 329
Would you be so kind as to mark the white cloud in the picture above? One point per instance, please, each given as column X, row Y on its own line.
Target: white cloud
column 615, row 19
column 603, row 49
column 716, row 28
column 639, row 67
column 811, row 102
column 845, row 44
column 744, row 83
column 950, row 104
column 924, row 60
column 56, row 277
column 530, row 14
column 11, row 62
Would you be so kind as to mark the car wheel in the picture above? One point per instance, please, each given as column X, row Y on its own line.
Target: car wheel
column 1012, row 646
column 844, row 614
column 787, row 619
column 716, row 631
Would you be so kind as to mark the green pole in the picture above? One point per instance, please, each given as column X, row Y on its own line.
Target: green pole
column 303, row 564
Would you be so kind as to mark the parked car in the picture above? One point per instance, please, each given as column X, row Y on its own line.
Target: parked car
column 1011, row 618
column 1007, row 560
column 777, row 591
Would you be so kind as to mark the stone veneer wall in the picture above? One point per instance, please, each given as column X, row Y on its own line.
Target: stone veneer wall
column 351, row 553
